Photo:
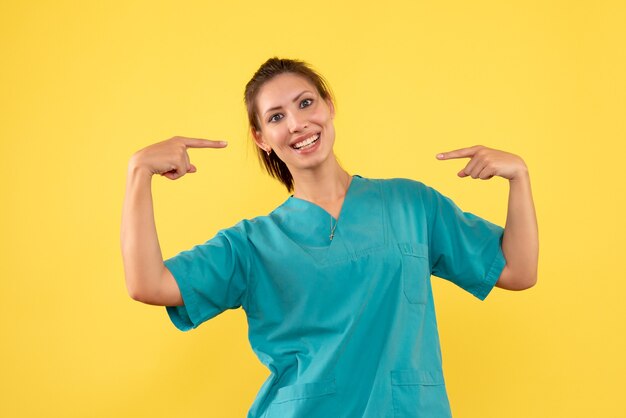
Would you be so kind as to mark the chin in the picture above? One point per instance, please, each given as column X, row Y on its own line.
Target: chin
column 316, row 162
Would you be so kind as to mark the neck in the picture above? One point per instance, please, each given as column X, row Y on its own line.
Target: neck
column 322, row 184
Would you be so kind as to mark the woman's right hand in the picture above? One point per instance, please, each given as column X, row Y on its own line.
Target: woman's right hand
column 169, row 158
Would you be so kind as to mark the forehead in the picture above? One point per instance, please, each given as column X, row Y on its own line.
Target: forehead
column 281, row 90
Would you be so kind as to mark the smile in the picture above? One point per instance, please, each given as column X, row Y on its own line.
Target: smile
column 307, row 143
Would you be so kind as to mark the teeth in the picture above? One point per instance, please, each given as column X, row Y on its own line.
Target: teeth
column 307, row 141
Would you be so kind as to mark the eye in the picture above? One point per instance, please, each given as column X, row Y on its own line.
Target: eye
column 275, row 118
column 306, row 103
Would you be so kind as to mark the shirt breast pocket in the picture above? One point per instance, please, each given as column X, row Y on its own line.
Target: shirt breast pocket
column 415, row 271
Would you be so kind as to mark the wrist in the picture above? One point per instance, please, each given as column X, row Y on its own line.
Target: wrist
column 137, row 170
column 521, row 174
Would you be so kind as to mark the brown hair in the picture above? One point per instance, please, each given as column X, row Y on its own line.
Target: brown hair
column 270, row 69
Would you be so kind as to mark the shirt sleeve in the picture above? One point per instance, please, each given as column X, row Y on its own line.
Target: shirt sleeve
column 212, row 277
column 464, row 248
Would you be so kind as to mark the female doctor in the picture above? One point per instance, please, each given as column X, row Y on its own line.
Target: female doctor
column 335, row 282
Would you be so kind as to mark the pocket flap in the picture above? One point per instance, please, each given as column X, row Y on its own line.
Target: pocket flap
column 414, row 249
column 305, row 390
column 416, row 377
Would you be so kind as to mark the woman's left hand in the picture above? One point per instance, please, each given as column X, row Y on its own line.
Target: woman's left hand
column 486, row 162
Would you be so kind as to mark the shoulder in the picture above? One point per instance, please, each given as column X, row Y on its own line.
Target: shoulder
column 247, row 227
column 403, row 194
column 257, row 229
column 399, row 186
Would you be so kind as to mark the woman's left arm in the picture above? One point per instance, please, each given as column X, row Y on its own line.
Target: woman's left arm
column 520, row 243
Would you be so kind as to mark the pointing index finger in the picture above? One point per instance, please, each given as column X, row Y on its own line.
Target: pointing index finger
column 202, row 143
column 458, row 153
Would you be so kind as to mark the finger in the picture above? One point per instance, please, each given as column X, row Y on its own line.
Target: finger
column 487, row 173
column 170, row 171
column 187, row 162
column 477, row 169
column 180, row 171
column 470, row 167
column 172, row 175
column 459, row 153
column 202, row 143
column 188, row 166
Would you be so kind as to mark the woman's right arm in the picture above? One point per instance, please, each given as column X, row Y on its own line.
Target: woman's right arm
column 147, row 278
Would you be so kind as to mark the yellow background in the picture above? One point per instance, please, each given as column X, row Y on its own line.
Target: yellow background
column 86, row 84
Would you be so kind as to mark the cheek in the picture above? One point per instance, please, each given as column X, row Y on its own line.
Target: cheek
column 322, row 117
column 281, row 138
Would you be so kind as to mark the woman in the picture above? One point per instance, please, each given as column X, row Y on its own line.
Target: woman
column 335, row 282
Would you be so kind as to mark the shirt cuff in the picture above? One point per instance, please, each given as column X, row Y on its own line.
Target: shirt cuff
column 180, row 316
column 492, row 276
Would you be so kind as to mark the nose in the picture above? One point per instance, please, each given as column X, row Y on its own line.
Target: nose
column 296, row 123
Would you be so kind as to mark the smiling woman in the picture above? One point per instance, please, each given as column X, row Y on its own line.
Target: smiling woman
column 299, row 131
column 274, row 114
column 336, row 281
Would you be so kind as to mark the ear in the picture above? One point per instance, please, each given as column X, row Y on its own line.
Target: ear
column 331, row 106
column 258, row 139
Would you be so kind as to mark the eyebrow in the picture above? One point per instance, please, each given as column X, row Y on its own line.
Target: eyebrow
column 278, row 107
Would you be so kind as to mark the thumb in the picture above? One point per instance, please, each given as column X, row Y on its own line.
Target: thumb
column 192, row 168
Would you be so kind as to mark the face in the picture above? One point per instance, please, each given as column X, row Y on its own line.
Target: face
column 296, row 123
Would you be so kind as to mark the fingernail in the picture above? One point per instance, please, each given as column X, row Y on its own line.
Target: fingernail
column 440, row 156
